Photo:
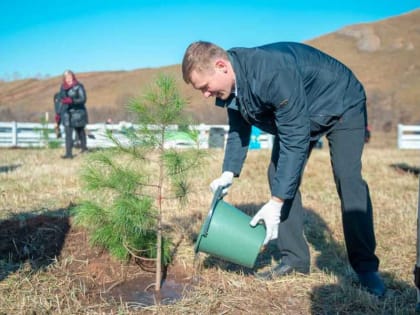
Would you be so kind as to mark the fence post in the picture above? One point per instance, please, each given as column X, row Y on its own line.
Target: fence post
column 14, row 134
column 401, row 129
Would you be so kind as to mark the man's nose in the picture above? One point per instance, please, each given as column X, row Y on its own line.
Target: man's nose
column 206, row 94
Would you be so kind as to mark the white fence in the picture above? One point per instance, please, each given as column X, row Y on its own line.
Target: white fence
column 14, row 134
column 21, row 134
column 408, row 137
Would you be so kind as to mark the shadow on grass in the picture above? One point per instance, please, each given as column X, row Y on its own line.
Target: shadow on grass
column 404, row 167
column 343, row 298
column 32, row 238
column 9, row 168
column 332, row 256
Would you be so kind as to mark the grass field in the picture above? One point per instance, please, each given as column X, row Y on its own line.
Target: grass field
column 37, row 183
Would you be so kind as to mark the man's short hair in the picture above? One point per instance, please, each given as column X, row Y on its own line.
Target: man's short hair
column 199, row 56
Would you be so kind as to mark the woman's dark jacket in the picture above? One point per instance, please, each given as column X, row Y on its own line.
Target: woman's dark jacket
column 78, row 95
column 294, row 92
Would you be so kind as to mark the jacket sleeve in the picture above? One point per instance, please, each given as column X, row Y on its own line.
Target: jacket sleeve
column 285, row 92
column 62, row 109
column 237, row 142
column 57, row 103
column 80, row 97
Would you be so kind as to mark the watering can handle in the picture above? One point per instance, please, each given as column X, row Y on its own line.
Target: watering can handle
column 218, row 194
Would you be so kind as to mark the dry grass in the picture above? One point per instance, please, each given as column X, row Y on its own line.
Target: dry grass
column 38, row 181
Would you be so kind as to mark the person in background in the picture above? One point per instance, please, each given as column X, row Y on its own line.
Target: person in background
column 73, row 113
column 299, row 94
column 57, row 110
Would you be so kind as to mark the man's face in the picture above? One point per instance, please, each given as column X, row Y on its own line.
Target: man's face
column 215, row 82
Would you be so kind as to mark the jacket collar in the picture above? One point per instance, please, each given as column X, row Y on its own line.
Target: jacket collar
column 229, row 103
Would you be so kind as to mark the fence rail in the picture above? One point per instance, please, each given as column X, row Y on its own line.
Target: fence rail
column 24, row 134
column 408, row 137
column 15, row 134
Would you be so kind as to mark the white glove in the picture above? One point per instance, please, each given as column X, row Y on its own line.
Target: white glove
column 270, row 214
column 225, row 180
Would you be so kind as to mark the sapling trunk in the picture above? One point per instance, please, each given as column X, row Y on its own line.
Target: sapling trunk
column 159, row 219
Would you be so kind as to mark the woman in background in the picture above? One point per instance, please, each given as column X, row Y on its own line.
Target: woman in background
column 73, row 113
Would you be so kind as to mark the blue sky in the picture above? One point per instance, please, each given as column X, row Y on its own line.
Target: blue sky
column 46, row 37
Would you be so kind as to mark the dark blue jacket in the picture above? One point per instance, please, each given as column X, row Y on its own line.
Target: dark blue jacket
column 292, row 91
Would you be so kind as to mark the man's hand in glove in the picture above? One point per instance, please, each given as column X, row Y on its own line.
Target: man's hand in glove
column 270, row 214
column 225, row 180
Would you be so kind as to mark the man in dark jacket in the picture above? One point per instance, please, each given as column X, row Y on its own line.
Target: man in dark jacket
column 298, row 94
column 57, row 110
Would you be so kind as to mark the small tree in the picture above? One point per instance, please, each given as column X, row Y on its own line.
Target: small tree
column 44, row 133
column 131, row 181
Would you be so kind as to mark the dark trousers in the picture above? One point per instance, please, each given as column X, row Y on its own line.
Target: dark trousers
column 80, row 134
column 346, row 142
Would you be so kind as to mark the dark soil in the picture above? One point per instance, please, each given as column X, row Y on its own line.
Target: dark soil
column 37, row 240
column 43, row 240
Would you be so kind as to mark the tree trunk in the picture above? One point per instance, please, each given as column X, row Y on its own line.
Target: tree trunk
column 159, row 255
column 159, row 222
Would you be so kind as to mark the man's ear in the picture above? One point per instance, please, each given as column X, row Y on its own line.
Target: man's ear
column 221, row 65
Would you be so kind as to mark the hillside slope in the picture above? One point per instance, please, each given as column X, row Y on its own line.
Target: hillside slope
column 384, row 55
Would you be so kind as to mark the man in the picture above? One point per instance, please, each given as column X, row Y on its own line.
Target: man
column 298, row 94
column 57, row 110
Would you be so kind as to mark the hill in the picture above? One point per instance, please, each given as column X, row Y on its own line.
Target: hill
column 384, row 55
